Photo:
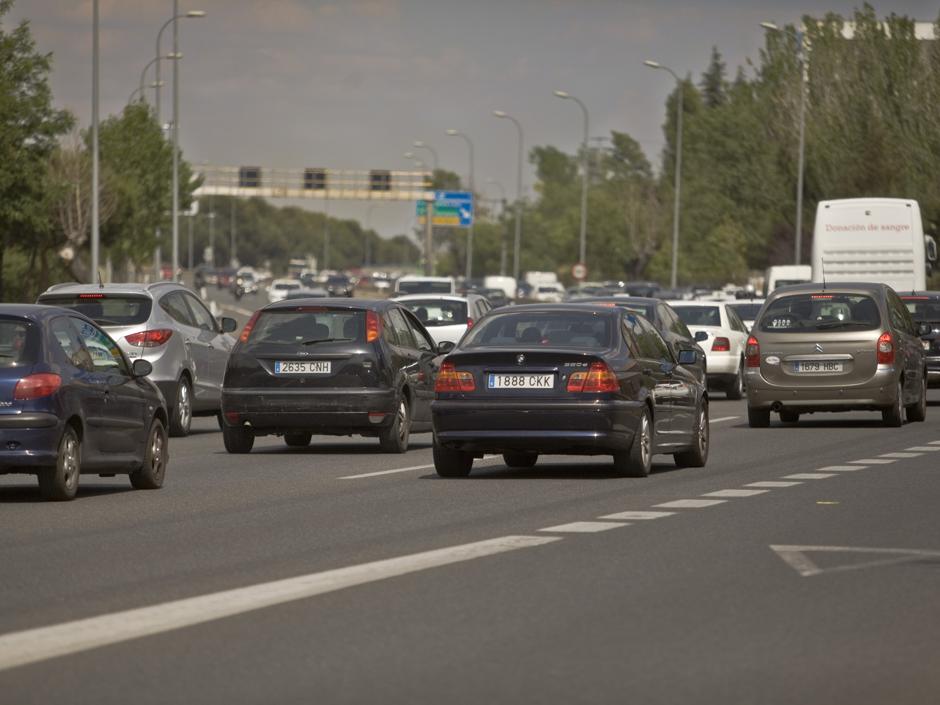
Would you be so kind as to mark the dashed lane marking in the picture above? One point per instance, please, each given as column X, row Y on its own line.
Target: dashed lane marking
column 841, row 468
column 724, row 418
column 925, row 449
column 735, row 493
column 900, row 455
column 772, row 484
column 873, row 461
column 637, row 515
column 585, row 527
column 395, row 471
column 809, row 476
column 32, row 645
column 935, row 443
column 690, row 503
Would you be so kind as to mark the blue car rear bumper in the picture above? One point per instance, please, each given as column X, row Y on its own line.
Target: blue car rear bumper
column 28, row 441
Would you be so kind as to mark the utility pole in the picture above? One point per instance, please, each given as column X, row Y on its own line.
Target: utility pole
column 95, row 213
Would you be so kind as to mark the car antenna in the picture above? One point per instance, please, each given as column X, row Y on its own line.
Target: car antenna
column 100, row 283
column 823, row 264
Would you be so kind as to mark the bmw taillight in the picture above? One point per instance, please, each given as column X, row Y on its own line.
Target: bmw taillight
column 246, row 331
column 721, row 345
column 373, row 326
column 36, row 387
column 149, row 338
column 752, row 352
column 886, row 349
column 598, row 378
column 450, row 379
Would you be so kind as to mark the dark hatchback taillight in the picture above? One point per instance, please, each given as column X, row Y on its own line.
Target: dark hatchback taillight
column 37, row 386
column 246, row 331
column 450, row 379
column 373, row 326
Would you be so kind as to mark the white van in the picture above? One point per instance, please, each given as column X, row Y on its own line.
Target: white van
column 786, row 274
column 414, row 284
column 879, row 240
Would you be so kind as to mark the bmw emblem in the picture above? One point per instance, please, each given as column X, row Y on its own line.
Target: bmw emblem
column 520, row 358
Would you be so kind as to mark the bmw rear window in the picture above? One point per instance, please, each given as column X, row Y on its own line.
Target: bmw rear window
column 19, row 344
column 548, row 329
column 308, row 325
column 810, row 313
column 105, row 309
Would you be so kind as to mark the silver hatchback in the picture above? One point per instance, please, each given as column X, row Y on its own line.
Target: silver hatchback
column 835, row 348
column 166, row 324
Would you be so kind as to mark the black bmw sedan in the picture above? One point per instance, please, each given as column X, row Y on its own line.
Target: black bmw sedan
column 568, row 379
column 330, row 366
column 70, row 403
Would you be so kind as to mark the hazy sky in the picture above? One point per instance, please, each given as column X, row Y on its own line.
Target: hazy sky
column 352, row 83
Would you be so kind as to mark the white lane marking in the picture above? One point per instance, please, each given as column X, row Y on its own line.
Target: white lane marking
column 841, row 468
column 637, row 515
column 809, row 476
column 796, row 558
column 690, row 503
column 872, row 461
column 925, row 449
column 900, row 455
column 395, row 471
column 723, row 418
column 585, row 527
column 772, row 483
column 935, row 443
column 735, row 493
column 32, row 645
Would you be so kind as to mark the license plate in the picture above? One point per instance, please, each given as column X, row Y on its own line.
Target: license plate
column 817, row 366
column 524, row 381
column 303, row 367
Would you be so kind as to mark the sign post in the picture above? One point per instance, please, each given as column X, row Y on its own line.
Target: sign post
column 428, row 238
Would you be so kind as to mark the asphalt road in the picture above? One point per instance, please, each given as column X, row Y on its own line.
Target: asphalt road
column 337, row 574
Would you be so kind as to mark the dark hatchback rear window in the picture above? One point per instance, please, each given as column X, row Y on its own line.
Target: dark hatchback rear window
column 19, row 342
column 105, row 309
column 924, row 309
column 549, row 329
column 810, row 313
column 308, row 325
column 437, row 312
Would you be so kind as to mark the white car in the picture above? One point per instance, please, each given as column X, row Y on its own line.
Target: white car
column 549, row 293
column 446, row 317
column 723, row 336
column 280, row 288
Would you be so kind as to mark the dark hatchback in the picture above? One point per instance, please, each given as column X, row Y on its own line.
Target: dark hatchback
column 924, row 307
column 70, row 404
column 568, row 379
column 665, row 320
column 330, row 366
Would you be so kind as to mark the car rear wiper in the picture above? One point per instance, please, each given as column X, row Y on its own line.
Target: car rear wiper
column 326, row 340
column 827, row 325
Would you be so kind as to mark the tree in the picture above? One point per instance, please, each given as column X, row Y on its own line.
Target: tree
column 29, row 128
column 713, row 85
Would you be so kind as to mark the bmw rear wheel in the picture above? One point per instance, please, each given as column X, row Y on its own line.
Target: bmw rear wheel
column 697, row 455
column 637, row 461
column 451, row 463
column 394, row 439
column 182, row 417
column 156, row 455
column 60, row 482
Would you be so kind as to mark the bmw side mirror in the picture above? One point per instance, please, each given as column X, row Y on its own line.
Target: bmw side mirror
column 444, row 347
column 700, row 336
column 141, row 367
column 687, row 357
column 228, row 324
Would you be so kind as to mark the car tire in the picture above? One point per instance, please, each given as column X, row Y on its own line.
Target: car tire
column 149, row 476
column 394, row 439
column 637, row 461
column 758, row 418
column 238, row 439
column 893, row 416
column 789, row 416
column 697, row 455
column 918, row 411
column 182, row 416
column 298, row 440
column 735, row 390
column 520, row 460
column 59, row 483
column 220, row 421
column 451, row 463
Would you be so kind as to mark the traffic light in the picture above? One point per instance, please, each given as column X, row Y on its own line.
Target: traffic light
column 380, row 180
column 249, row 177
column 315, row 179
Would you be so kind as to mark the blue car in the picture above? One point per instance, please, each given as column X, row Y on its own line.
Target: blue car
column 70, row 403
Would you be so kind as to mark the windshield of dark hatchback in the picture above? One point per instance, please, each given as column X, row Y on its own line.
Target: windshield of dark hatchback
column 808, row 313
column 923, row 309
column 105, row 309
column 567, row 329
column 306, row 325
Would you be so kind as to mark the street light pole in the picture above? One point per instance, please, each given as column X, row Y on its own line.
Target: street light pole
column 674, row 270
column 176, row 16
column 469, row 271
column 582, row 253
column 801, row 58
column 517, row 242
column 418, row 144
column 176, row 148
column 95, row 213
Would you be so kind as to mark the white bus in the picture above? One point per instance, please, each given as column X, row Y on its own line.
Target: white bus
column 878, row 240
